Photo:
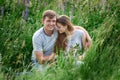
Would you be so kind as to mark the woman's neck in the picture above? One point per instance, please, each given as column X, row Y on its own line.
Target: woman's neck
column 69, row 32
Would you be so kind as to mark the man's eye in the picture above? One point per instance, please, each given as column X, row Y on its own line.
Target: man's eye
column 48, row 20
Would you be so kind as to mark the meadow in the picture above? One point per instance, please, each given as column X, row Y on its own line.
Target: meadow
column 19, row 19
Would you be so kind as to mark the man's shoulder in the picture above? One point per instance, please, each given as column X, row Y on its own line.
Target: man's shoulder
column 38, row 33
column 55, row 32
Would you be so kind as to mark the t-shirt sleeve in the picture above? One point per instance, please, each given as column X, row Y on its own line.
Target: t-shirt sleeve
column 81, row 33
column 37, row 43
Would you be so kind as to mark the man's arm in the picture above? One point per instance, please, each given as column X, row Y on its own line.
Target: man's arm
column 86, row 41
column 42, row 59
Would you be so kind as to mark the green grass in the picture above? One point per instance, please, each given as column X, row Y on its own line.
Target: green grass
column 101, row 20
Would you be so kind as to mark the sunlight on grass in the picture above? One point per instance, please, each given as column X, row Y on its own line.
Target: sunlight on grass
column 99, row 17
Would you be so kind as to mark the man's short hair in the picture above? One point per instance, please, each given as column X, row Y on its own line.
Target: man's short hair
column 49, row 13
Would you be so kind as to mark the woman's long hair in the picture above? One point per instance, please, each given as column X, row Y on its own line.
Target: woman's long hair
column 61, row 42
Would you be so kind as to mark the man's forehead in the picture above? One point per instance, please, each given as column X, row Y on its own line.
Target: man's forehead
column 50, row 18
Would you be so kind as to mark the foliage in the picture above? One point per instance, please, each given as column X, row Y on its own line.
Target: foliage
column 21, row 20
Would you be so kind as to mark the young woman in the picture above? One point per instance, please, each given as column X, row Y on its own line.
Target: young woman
column 70, row 36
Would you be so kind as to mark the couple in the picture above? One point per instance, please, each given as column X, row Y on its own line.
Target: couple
column 56, row 32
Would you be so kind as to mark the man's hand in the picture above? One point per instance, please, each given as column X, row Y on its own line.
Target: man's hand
column 42, row 59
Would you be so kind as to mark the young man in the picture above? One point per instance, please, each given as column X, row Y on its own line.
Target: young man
column 44, row 39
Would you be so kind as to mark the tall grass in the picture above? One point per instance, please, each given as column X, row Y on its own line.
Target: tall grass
column 101, row 19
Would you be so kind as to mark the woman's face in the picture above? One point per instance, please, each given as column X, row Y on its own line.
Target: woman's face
column 61, row 28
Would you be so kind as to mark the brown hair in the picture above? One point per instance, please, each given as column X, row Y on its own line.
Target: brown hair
column 64, row 20
column 61, row 42
column 49, row 13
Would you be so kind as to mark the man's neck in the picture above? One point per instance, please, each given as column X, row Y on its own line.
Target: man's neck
column 48, row 32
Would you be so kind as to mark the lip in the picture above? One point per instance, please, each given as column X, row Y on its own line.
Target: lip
column 51, row 27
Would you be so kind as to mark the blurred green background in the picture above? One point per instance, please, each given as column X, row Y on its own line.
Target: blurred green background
column 19, row 19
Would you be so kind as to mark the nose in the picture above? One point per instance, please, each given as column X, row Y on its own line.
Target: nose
column 51, row 23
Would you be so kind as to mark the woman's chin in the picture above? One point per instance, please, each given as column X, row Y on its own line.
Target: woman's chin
column 60, row 32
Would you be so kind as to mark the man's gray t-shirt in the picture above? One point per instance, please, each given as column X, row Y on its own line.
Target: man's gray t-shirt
column 43, row 42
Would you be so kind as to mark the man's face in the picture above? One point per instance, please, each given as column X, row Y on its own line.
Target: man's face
column 49, row 23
